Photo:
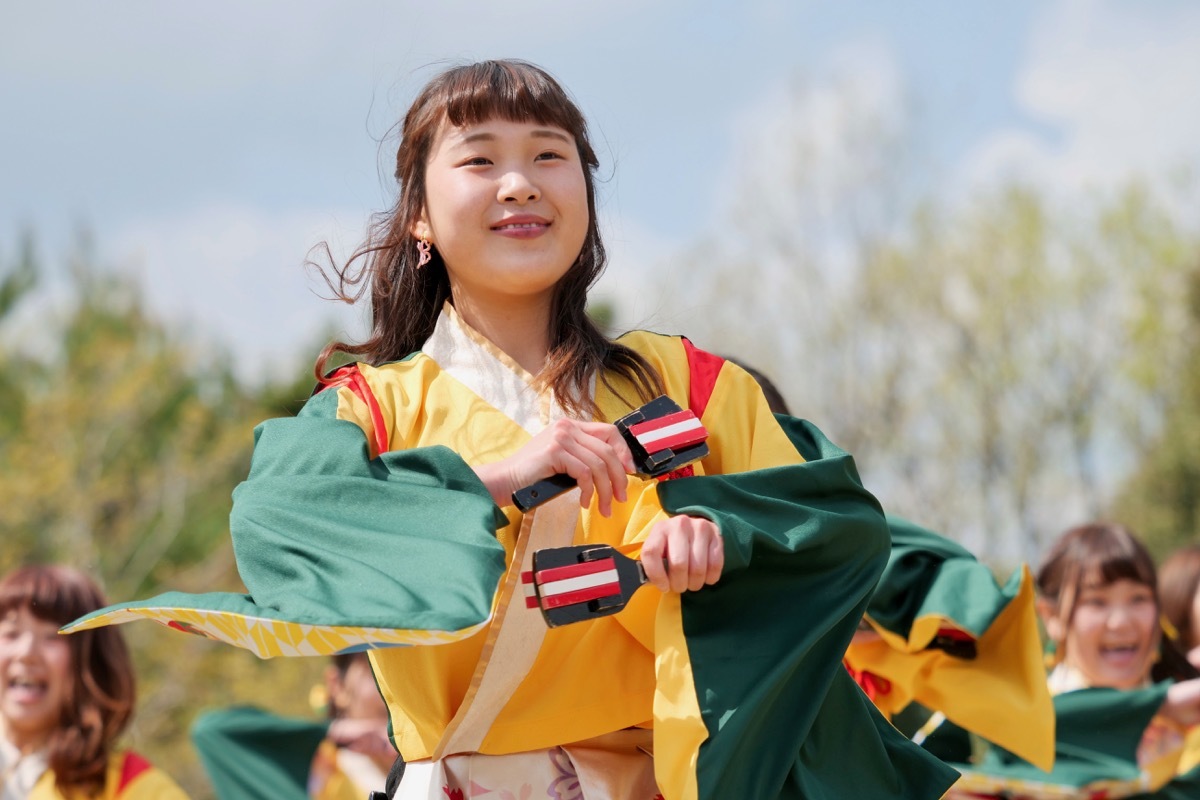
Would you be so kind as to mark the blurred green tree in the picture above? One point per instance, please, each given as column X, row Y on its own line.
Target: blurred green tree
column 996, row 365
column 1161, row 499
column 119, row 449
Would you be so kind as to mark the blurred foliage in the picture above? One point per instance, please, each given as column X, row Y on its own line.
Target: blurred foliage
column 996, row 365
column 119, row 449
column 996, row 368
column 603, row 313
column 1161, row 500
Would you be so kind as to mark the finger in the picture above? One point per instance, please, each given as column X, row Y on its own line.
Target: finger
column 586, row 488
column 577, row 457
column 652, row 559
column 697, row 556
column 605, row 471
column 716, row 556
column 606, row 442
column 613, row 438
column 679, row 552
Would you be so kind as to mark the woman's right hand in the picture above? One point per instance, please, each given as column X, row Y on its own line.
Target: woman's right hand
column 593, row 453
column 1183, row 703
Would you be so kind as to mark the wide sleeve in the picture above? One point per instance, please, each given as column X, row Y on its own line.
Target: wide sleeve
column 752, row 698
column 340, row 551
column 249, row 753
column 957, row 642
column 1096, row 743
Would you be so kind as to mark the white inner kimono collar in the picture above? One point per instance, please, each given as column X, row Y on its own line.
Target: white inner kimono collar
column 485, row 369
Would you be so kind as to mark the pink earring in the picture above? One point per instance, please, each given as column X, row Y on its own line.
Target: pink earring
column 423, row 248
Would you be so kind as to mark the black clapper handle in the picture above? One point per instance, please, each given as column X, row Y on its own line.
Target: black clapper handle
column 546, row 489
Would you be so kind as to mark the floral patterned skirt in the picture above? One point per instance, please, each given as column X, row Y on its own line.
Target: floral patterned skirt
column 615, row 766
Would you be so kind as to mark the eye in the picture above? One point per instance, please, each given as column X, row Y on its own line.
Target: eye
column 475, row 161
column 549, row 155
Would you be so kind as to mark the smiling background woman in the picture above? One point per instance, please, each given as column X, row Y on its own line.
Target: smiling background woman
column 64, row 701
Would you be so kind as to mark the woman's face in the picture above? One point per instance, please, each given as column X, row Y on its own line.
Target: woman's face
column 35, row 670
column 1113, row 636
column 355, row 694
column 506, row 207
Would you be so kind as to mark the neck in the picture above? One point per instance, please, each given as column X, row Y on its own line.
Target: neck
column 520, row 327
column 24, row 744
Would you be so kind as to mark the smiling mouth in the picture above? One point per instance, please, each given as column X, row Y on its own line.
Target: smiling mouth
column 25, row 687
column 1120, row 651
column 517, row 226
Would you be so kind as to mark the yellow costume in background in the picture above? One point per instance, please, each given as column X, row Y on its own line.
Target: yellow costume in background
column 129, row 777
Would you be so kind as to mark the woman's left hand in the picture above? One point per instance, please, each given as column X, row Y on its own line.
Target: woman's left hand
column 683, row 553
column 366, row 736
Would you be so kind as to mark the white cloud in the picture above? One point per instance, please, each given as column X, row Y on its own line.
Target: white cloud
column 235, row 276
column 817, row 161
column 1117, row 85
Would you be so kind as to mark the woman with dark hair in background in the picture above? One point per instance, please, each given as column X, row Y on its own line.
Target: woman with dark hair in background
column 1125, row 700
column 65, row 700
column 250, row 753
column 1179, row 590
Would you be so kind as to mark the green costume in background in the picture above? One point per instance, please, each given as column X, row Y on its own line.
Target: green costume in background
column 252, row 754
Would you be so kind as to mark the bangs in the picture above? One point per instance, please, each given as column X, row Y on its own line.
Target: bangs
column 1113, row 555
column 1118, row 567
column 512, row 91
column 1103, row 553
column 52, row 594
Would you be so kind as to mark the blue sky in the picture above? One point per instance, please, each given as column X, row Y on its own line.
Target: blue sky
column 209, row 146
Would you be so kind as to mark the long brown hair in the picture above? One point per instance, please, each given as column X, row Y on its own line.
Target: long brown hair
column 406, row 301
column 101, row 693
column 1178, row 582
column 1112, row 552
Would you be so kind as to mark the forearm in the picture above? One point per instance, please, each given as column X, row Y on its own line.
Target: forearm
column 497, row 477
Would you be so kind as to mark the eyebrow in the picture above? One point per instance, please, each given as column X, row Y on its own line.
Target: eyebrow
column 536, row 133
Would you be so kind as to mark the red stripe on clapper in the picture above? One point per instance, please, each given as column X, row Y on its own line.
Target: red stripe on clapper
column 552, row 574
column 955, row 634
column 674, row 431
column 581, row 595
column 531, row 600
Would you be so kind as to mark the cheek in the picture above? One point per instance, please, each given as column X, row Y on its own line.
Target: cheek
column 448, row 200
column 1087, row 624
column 1148, row 622
column 57, row 657
column 578, row 192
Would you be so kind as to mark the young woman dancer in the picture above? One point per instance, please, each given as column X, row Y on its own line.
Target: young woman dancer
column 384, row 513
column 64, row 701
column 1125, row 699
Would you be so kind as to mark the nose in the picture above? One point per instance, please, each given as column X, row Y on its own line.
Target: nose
column 517, row 187
column 1120, row 616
